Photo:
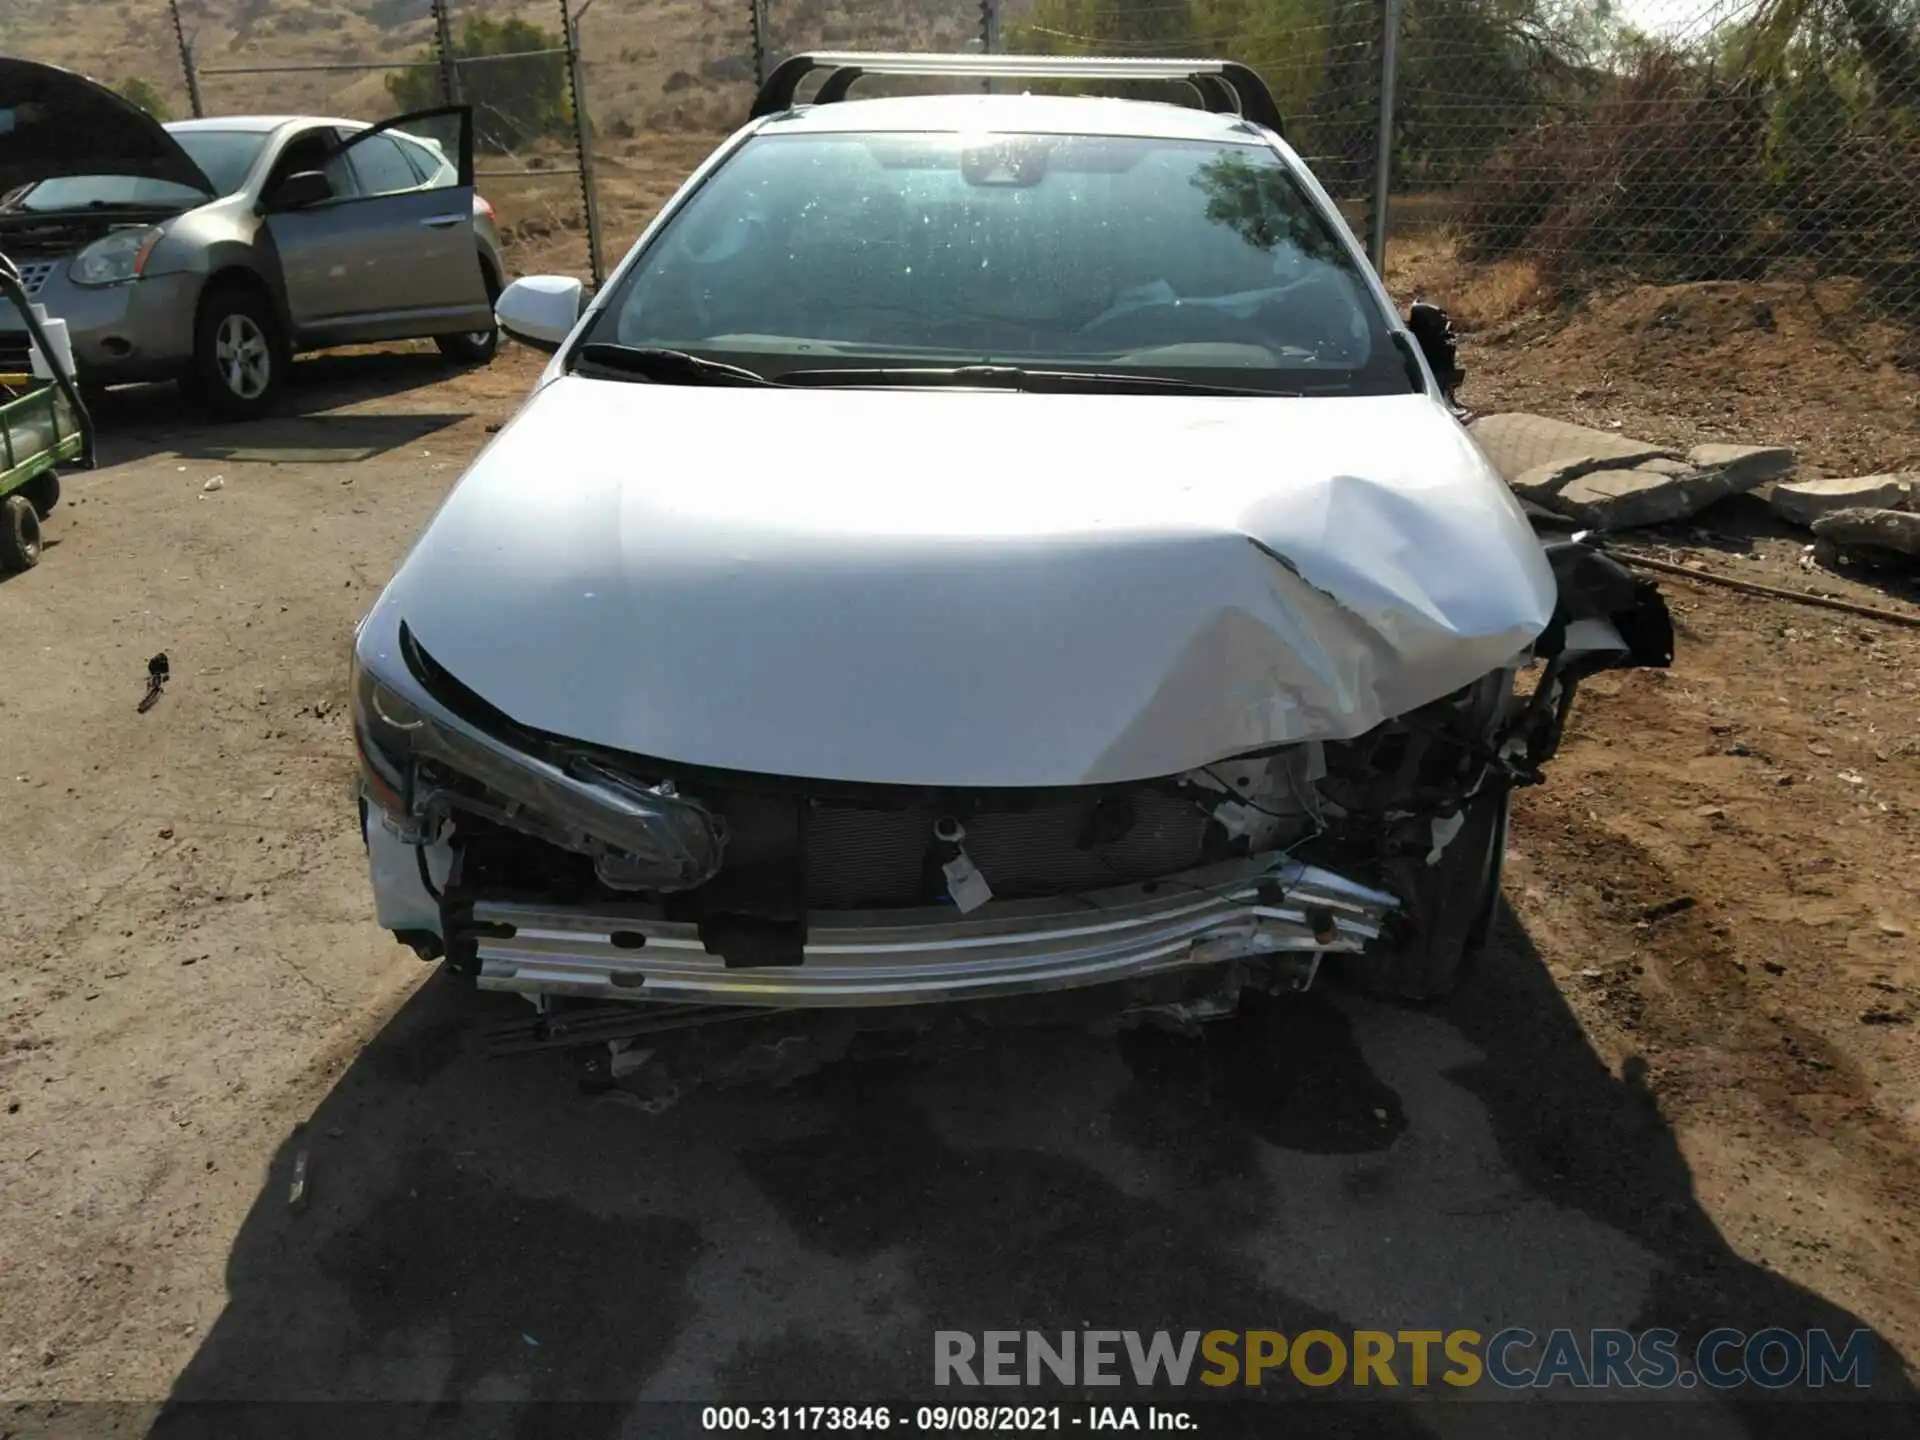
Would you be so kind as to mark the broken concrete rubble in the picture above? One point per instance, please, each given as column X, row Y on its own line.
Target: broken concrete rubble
column 1744, row 466
column 1894, row 530
column 1612, row 482
column 1517, row 443
column 1804, row 501
column 1627, row 499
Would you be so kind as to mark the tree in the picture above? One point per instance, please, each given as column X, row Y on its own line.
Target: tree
column 1881, row 32
column 142, row 93
column 1471, row 71
column 513, row 100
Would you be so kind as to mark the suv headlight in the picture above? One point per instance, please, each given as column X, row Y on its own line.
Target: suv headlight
column 115, row 258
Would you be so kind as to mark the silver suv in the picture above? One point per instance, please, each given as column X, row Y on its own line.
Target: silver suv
column 213, row 250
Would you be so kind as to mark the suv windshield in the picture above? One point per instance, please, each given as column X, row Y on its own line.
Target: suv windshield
column 1194, row 260
column 224, row 155
column 104, row 192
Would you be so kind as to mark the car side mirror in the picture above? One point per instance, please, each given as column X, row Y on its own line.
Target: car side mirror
column 299, row 190
column 1432, row 330
column 540, row 310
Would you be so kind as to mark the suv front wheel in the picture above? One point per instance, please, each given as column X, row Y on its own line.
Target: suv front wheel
column 239, row 353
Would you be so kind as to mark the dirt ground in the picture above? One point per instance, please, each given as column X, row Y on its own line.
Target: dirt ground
column 1681, row 1089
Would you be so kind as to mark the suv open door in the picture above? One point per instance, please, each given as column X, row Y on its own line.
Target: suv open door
column 380, row 243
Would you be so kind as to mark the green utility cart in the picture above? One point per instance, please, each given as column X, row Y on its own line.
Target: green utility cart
column 43, row 425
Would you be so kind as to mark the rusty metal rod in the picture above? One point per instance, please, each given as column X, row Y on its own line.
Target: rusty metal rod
column 1771, row 592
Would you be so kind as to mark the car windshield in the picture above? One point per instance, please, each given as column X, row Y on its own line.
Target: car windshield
column 1194, row 260
column 224, row 155
column 104, row 192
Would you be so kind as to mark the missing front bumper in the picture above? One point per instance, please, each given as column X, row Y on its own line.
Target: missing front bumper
column 1241, row 910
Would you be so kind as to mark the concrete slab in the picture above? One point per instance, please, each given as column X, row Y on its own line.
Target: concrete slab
column 1627, row 499
column 1517, row 443
column 1745, row 465
column 1804, row 501
column 1895, row 530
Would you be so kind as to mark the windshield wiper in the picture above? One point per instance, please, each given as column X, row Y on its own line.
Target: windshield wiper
column 1014, row 377
column 667, row 367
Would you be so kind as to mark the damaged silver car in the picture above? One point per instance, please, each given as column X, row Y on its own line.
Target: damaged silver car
column 974, row 546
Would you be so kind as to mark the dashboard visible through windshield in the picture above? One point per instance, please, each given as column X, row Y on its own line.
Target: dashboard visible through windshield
column 1189, row 259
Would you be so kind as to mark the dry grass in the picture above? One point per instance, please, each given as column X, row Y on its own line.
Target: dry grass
column 1478, row 297
column 1807, row 364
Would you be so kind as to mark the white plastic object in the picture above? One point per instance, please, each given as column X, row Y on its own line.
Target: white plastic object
column 60, row 342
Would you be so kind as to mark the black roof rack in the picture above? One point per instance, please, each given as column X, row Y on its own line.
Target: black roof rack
column 1225, row 86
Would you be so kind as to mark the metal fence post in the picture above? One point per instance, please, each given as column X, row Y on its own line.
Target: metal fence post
column 443, row 43
column 757, row 18
column 1383, row 149
column 989, row 36
column 186, row 61
column 583, row 144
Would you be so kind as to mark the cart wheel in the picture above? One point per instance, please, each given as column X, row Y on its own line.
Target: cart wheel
column 19, row 534
column 43, row 492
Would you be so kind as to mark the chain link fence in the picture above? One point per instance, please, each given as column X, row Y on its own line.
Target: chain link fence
column 1590, row 140
column 1654, row 140
column 1747, row 139
column 517, row 67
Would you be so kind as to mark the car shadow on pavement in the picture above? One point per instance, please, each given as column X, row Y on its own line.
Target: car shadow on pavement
column 479, row 1234
column 138, row 421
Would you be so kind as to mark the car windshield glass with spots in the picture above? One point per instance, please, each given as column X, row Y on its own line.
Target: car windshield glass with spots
column 1197, row 260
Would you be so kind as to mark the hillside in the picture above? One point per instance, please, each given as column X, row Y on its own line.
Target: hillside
column 652, row 65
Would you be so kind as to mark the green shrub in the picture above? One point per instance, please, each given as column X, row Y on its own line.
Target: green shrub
column 142, row 93
column 513, row 101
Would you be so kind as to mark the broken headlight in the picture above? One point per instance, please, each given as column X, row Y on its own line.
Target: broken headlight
column 420, row 763
column 385, row 727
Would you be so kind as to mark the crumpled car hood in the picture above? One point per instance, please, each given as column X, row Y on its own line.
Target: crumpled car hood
column 967, row 588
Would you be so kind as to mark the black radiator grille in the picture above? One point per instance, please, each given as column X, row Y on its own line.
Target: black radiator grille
column 859, row 858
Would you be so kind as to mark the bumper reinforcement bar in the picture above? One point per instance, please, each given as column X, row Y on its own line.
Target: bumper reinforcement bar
column 1239, row 910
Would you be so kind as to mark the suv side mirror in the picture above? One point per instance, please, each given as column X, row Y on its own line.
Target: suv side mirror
column 540, row 310
column 299, row 190
column 1432, row 330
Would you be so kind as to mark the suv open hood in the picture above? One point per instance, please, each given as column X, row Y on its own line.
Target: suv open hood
column 970, row 589
column 54, row 122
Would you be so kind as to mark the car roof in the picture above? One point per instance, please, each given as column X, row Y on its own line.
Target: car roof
column 259, row 123
column 1034, row 114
